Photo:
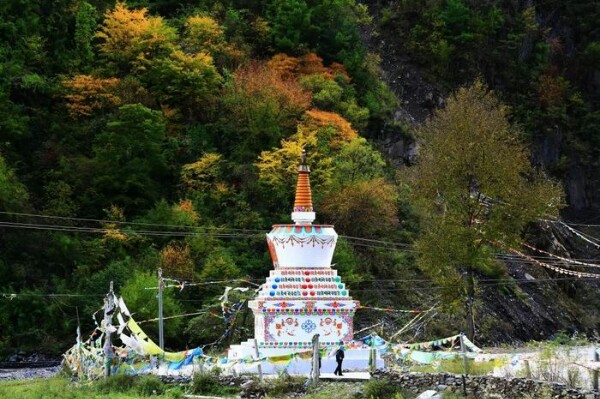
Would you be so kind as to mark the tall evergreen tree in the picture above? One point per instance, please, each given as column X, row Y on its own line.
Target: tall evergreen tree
column 475, row 188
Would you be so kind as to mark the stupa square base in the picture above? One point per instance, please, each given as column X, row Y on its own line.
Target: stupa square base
column 356, row 359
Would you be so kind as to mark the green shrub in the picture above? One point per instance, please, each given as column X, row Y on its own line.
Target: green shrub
column 456, row 366
column 115, row 383
column 381, row 389
column 209, row 384
column 285, row 384
column 150, row 385
column 452, row 395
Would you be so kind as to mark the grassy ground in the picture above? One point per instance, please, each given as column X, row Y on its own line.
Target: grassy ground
column 374, row 389
column 456, row 366
column 123, row 387
column 61, row 388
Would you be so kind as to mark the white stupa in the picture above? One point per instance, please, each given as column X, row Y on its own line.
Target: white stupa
column 303, row 295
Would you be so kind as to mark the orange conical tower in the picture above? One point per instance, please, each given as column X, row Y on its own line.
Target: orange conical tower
column 303, row 213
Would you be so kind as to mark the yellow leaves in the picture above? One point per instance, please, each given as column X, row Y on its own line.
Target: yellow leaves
column 258, row 90
column 280, row 166
column 324, row 134
column 205, row 34
column 202, row 174
column 194, row 62
column 310, row 64
column 204, row 31
column 284, row 65
column 88, row 93
column 128, row 35
column 112, row 231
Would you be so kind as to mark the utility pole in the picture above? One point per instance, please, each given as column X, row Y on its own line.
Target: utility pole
column 79, row 346
column 596, row 370
column 470, row 302
column 465, row 365
column 373, row 354
column 260, row 374
column 315, row 360
column 109, row 310
column 161, row 337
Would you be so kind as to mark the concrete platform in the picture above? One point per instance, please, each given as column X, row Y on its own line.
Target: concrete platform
column 356, row 360
column 349, row 376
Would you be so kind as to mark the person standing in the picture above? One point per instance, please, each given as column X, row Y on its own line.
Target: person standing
column 339, row 358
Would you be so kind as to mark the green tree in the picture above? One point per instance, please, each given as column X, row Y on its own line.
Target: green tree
column 143, row 300
column 182, row 80
column 289, row 20
column 329, row 95
column 13, row 195
column 129, row 158
column 475, row 188
column 358, row 161
column 85, row 29
column 362, row 208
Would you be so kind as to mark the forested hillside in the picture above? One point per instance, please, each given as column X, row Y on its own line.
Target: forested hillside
column 167, row 134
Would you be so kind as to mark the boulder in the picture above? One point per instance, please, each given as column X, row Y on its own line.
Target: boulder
column 430, row 394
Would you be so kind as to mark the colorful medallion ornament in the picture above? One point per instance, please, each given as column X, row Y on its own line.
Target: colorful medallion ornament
column 308, row 326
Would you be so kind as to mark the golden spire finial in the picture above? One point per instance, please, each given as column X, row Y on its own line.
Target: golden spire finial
column 303, row 202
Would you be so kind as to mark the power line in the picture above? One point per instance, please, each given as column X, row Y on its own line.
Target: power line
column 102, row 230
column 391, row 243
column 170, row 226
column 371, row 243
column 33, row 215
column 12, row 295
column 551, row 261
column 123, row 222
column 480, row 283
column 46, row 227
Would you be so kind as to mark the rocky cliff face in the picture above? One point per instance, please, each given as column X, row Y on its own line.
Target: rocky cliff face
column 419, row 93
column 525, row 311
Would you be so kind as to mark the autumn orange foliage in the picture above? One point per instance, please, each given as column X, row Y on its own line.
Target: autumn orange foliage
column 309, row 64
column 259, row 82
column 187, row 207
column 88, row 93
column 284, row 65
column 176, row 261
column 343, row 132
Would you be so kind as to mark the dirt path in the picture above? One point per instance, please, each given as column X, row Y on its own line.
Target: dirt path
column 28, row 373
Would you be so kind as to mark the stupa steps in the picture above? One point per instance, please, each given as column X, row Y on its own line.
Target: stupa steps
column 308, row 284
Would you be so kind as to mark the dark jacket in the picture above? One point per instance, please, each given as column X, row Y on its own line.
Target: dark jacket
column 339, row 355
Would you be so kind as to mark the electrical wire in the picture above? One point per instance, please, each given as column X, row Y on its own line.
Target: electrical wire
column 138, row 232
column 12, row 295
column 122, row 222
